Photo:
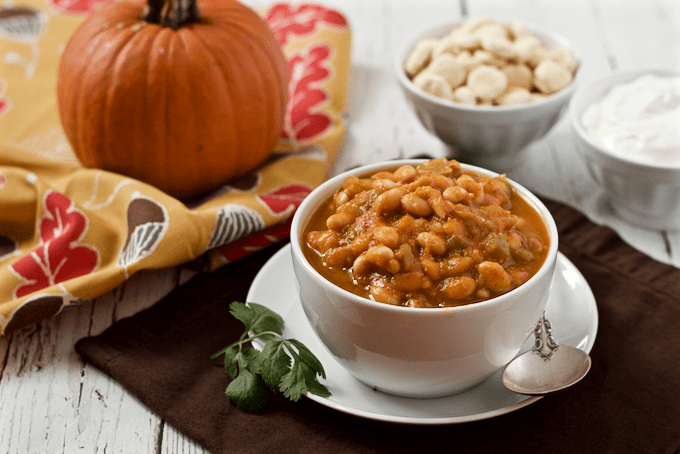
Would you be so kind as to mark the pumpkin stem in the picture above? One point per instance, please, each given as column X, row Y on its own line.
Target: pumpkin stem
column 172, row 13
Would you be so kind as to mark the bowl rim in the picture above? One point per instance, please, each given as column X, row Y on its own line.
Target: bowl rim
column 319, row 194
column 440, row 30
column 593, row 91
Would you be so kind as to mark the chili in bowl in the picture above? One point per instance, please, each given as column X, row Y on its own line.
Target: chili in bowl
column 423, row 278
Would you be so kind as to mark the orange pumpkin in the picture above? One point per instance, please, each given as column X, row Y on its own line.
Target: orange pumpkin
column 181, row 99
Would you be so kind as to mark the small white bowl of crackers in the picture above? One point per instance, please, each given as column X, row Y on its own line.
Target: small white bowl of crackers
column 488, row 88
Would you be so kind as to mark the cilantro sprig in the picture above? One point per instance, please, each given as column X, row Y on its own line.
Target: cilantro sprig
column 286, row 365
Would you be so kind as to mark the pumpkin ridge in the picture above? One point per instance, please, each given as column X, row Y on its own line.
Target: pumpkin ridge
column 235, row 62
column 111, row 95
column 162, row 137
column 240, row 22
column 245, row 160
column 283, row 78
column 175, row 71
column 86, row 114
column 259, row 79
column 271, row 74
column 74, row 81
column 194, row 166
column 137, row 156
column 228, row 88
column 220, row 85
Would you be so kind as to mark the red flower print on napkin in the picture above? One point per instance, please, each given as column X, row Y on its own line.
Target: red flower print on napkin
column 75, row 6
column 307, row 71
column 298, row 20
column 5, row 103
column 59, row 257
column 285, row 198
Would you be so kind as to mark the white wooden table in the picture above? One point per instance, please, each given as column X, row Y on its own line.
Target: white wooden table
column 51, row 402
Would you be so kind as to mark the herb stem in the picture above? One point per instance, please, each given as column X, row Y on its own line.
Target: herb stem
column 242, row 341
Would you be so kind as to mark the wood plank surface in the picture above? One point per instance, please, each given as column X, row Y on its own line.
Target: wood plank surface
column 51, row 402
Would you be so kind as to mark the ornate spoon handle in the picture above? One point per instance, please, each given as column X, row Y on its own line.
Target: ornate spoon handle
column 545, row 344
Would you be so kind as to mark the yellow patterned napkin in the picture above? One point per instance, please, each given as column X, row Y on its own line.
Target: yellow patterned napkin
column 69, row 234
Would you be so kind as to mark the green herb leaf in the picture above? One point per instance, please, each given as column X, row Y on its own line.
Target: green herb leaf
column 277, row 363
column 283, row 364
column 247, row 391
column 302, row 376
column 257, row 318
column 231, row 361
column 253, row 358
column 308, row 357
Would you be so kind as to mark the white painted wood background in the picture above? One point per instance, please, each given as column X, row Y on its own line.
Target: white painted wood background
column 50, row 402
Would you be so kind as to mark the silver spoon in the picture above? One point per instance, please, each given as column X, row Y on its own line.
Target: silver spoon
column 548, row 367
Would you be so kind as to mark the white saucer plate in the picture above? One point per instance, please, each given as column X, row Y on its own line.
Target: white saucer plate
column 571, row 309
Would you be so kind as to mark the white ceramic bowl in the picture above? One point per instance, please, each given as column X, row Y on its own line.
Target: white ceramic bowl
column 645, row 194
column 418, row 352
column 492, row 137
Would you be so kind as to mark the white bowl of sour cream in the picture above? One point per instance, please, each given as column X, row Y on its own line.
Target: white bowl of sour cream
column 628, row 125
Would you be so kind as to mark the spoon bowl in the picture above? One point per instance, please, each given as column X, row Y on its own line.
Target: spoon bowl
column 547, row 368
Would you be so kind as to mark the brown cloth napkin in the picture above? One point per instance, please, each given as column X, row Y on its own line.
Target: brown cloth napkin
column 629, row 402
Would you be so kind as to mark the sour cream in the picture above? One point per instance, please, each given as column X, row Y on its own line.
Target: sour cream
column 639, row 120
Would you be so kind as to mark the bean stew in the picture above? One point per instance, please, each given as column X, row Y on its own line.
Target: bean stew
column 430, row 235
